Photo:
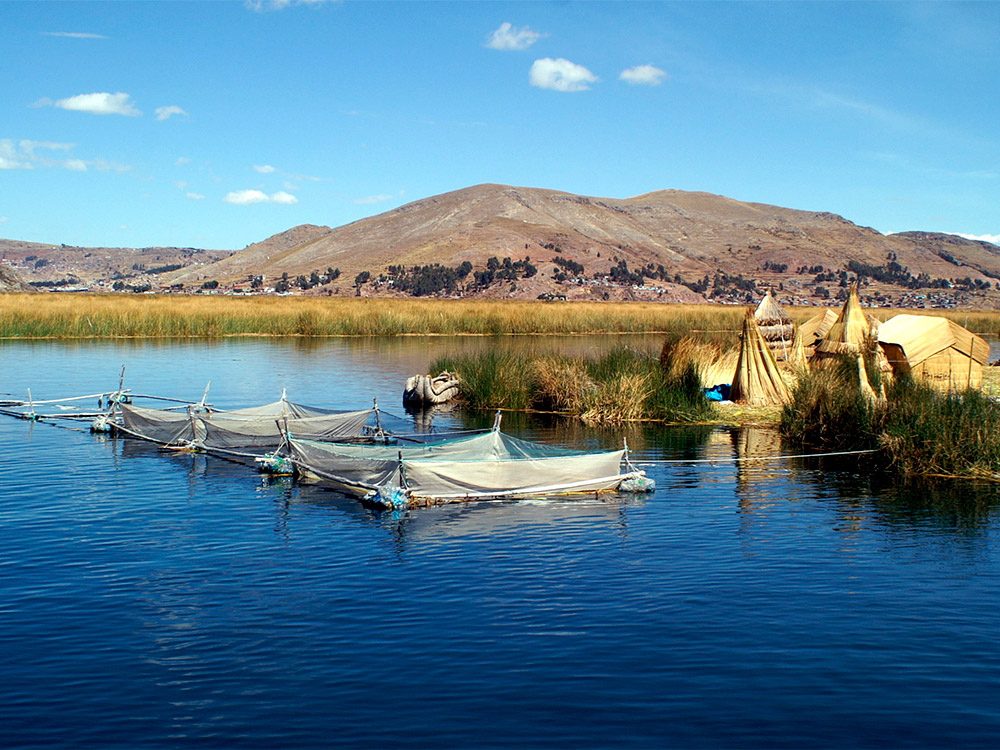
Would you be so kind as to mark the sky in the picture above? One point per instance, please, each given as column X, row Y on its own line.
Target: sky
column 218, row 124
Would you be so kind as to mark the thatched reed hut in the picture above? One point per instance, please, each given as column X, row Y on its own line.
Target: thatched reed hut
column 852, row 333
column 934, row 349
column 775, row 326
column 757, row 381
column 810, row 333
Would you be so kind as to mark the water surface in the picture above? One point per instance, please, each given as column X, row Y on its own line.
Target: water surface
column 159, row 600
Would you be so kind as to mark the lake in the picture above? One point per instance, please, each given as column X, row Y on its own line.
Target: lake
column 153, row 600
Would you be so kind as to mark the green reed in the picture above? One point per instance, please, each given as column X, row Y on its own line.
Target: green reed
column 916, row 431
column 620, row 386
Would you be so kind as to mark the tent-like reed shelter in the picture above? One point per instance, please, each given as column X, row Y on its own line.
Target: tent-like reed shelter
column 850, row 334
column 757, row 381
column 934, row 349
column 810, row 333
column 775, row 326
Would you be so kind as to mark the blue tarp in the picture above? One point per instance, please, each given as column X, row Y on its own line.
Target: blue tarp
column 717, row 393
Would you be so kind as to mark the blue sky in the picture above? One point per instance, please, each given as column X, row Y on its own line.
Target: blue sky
column 217, row 124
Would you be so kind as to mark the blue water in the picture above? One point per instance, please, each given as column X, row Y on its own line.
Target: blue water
column 152, row 600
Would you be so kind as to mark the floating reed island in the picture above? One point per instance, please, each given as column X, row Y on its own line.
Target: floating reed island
column 912, row 390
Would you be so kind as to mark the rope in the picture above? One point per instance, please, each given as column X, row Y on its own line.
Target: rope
column 750, row 458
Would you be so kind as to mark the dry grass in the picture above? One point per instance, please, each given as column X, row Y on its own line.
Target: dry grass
column 562, row 385
column 121, row 315
column 619, row 386
column 623, row 398
column 713, row 360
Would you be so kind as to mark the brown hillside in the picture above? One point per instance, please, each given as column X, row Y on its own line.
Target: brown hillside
column 12, row 281
column 39, row 262
column 251, row 260
column 690, row 233
column 678, row 238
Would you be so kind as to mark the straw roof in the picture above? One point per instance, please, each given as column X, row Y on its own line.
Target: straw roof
column 769, row 313
column 815, row 329
column 924, row 336
column 809, row 334
column 757, row 381
column 775, row 326
column 934, row 349
column 849, row 333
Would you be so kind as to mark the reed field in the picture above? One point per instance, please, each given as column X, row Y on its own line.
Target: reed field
column 52, row 315
column 121, row 316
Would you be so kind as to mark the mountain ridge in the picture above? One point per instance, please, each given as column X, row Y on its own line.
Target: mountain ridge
column 665, row 244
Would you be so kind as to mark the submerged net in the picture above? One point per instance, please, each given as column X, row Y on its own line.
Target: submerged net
column 160, row 425
column 493, row 464
column 257, row 427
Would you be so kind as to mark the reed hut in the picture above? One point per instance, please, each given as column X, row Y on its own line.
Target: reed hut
column 775, row 326
column 934, row 349
column 757, row 381
column 812, row 332
column 852, row 333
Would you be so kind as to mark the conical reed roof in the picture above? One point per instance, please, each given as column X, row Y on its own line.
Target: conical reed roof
column 768, row 312
column 757, row 381
column 848, row 334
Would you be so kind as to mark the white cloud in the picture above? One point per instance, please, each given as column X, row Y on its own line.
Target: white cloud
column 101, row 103
column 246, row 197
column 263, row 5
column 560, row 75
column 643, row 75
column 13, row 156
column 509, row 37
column 107, row 166
column 74, row 34
column 3, row 219
column 165, row 113
column 30, row 147
column 994, row 238
column 263, row 168
column 249, row 197
column 372, row 199
column 195, row 196
column 181, row 161
column 27, row 154
column 283, row 198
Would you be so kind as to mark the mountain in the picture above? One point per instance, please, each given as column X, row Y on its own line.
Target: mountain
column 61, row 266
column 500, row 241
column 690, row 235
column 258, row 258
column 12, row 281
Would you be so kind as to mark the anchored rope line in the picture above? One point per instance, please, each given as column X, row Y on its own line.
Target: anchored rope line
column 750, row 458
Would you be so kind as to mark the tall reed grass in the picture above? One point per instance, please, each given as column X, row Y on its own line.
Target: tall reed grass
column 172, row 315
column 916, row 431
column 120, row 315
column 620, row 386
